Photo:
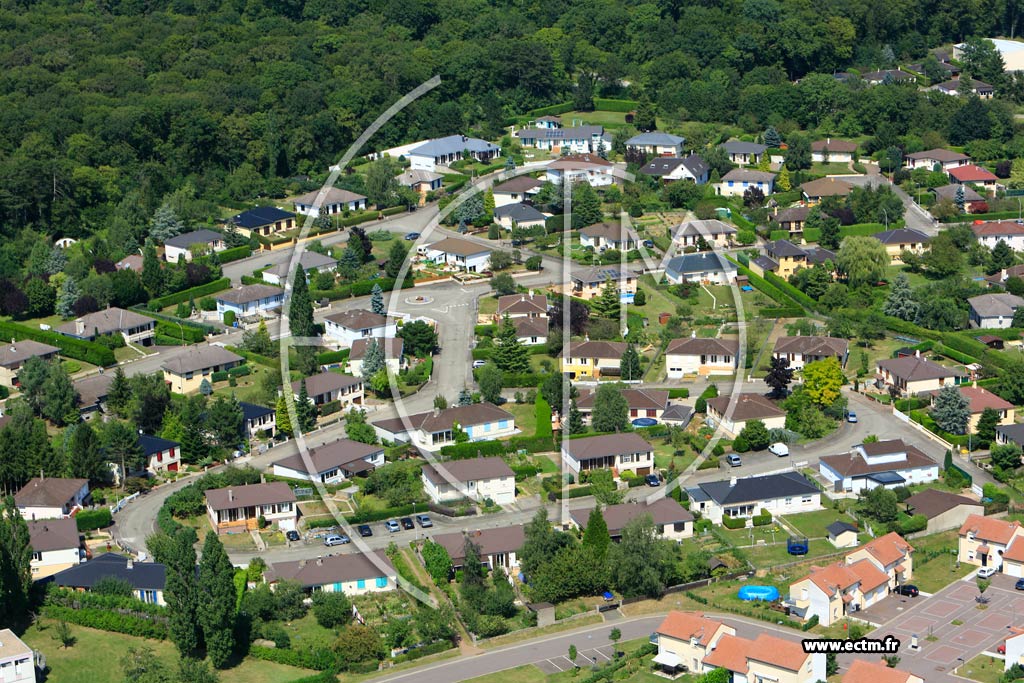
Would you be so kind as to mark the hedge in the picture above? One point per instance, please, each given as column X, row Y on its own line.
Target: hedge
column 254, row 357
column 991, row 216
column 790, row 290
column 462, row 451
column 761, row 520
column 79, row 349
column 332, row 357
column 810, row 623
column 361, row 288
column 89, row 520
column 760, row 283
column 776, row 235
column 192, row 335
column 316, row 659
column 679, row 393
column 174, row 320
column 108, row 620
column 219, row 376
column 363, row 516
column 425, row 651
column 782, row 312
column 239, row 371
column 330, row 408
column 542, row 412
column 730, row 523
column 554, row 109
column 525, row 471
column 72, row 599
column 252, row 280
column 485, row 330
column 580, row 492
column 234, row 254
column 193, row 293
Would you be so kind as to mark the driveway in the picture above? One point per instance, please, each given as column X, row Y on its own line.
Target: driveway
column 914, row 216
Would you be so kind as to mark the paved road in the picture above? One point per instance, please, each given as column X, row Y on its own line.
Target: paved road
column 914, row 216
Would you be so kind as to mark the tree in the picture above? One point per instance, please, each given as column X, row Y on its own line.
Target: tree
column 357, row 429
column 499, row 260
column 62, row 634
column 300, row 321
column 195, row 446
column 503, row 284
column 540, row 542
column 607, row 304
column 121, row 446
column 437, row 561
column 596, row 536
column 831, row 659
column 32, row 378
column 603, row 486
column 216, row 598
column 490, row 379
column 380, row 184
column 642, row 564
column 798, row 156
column 830, row 237
column 83, row 455
column 196, row 671
column 15, row 564
column 586, row 206
column 771, row 137
column 332, row 609
column 1002, row 257
column 630, row 364
column 119, row 395
column 181, row 594
column 373, row 358
column 782, row 181
column 465, row 397
column 396, row 259
column 823, row 380
column 41, row 298
column 152, row 271
column 281, row 416
column 615, row 635
column 611, row 410
column 951, row 410
column 880, row 504
column 259, row 341
column 419, row 338
column 67, row 297
column 987, row 423
column 226, row 420
column 59, row 402
column 205, row 388
column 779, row 376
column 165, row 224
column 305, row 410
column 900, row 302
column 862, row 260
column 489, row 204
column 150, row 400
column 377, row 300
column 645, row 118
column 755, row 433
column 572, row 655
column 141, row 665
column 944, row 258
column 576, row 425
column 1018, row 318
column 510, row 355
column 1006, row 456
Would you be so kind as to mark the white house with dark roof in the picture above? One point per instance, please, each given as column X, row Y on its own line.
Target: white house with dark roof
column 335, row 200
column 520, row 215
column 1012, row 434
column 478, row 479
column 393, row 349
column 462, row 254
column 882, row 463
column 913, row 375
column 14, row 354
column 581, row 168
column 736, row 182
column 786, row 493
column 604, row 235
column 52, row 497
column 707, row 267
column 560, row 139
column 531, row 331
column 310, row 261
column 657, row 143
column 332, row 462
column 345, row 327
column 133, row 327
column 237, row 509
column 671, row 520
column 903, row 239
column 447, row 150
column 715, row 232
column 744, row 153
column 434, row 429
column 516, row 190
column 325, row 387
column 800, row 350
column 699, row 356
column 147, row 579
column 185, row 244
column 249, row 300
column 522, row 306
column 994, row 311
column 56, row 546
column 936, row 157
column 640, row 402
column 263, row 221
column 498, row 547
column 258, row 419
column 348, row 573
column 616, row 452
column 733, row 417
column 669, row 169
column 163, row 455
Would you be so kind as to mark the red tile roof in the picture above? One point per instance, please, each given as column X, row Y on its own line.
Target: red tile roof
column 988, row 529
column 687, row 625
column 972, row 174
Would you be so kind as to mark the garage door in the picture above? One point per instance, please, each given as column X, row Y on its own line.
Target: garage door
column 1012, row 569
column 643, row 471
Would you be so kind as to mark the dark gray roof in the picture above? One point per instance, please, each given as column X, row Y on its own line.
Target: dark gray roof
column 232, row 497
column 655, row 138
column 707, row 226
column 452, row 144
column 593, row 447
column 251, row 411
column 752, row 489
column 1014, row 433
column 902, row 236
column 766, row 263
column 93, row 389
column 521, row 183
column 260, row 216
column 932, row 502
column 662, row 511
column 677, row 412
column 507, row 539
column 440, row 420
column 520, row 213
column 332, row 569
column 740, row 147
column 187, row 239
column 154, row 444
column 470, row 469
column 702, row 262
column 13, row 355
column 661, row 166
column 324, row 382
column 358, row 319
column 309, row 260
column 836, row 528
column 247, row 293
column 949, row 192
column 698, row 346
column 914, row 369
column 50, row 492
column 142, row 575
column 108, row 320
column 331, row 456
column 198, row 358
column 53, row 534
column 792, row 214
column 785, row 248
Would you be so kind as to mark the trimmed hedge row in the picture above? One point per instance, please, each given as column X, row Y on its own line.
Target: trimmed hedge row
column 107, row 620
column 88, row 520
column 361, row 288
column 991, row 216
column 79, row 349
column 425, row 651
column 461, row 451
column 72, row 599
column 767, row 288
column 731, row 523
column 157, row 315
column 192, row 293
column 254, row 357
column 553, row 109
column 606, row 104
column 364, row 516
column 790, row 290
column 235, row 254
column 318, row 660
column 192, row 335
column 331, row 357
column 679, row 393
column 782, row 312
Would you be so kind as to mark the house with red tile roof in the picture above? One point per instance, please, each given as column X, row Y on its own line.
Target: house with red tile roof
column 892, row 554
column 981, row 399
column 836, row 590
column 990, row 542
column 974, row 175
column 686, row 638
column 864, row 671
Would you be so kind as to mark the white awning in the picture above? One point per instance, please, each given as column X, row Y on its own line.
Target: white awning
column 668, row 659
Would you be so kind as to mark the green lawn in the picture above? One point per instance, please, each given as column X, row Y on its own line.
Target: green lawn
column 813, row 524
column 770, row 555
column 488, row 305
column 830, row 168
column 525, row 414
column 983, row 669
column 939, row 572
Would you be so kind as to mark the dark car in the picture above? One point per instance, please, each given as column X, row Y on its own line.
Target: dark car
column 649, row 243
column 909, row 590
column 292, row 535
column 410, row 236
column 365, row 530
column 653, row 480
column 406, row 523
column 1019, row 585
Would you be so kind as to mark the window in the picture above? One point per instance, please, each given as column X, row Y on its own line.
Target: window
column 626, row 457
column 789, row 501
column 502, row 424
column 361, row 584
column 805, row 500
column 382, row 582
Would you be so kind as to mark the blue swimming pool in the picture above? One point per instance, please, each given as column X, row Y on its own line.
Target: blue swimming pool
column 767, row 593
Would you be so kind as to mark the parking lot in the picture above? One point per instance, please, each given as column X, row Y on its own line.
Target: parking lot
column 585, row 658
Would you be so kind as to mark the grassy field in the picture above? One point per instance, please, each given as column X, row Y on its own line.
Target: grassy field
column 771, row 555
column 813, row 524
column 983, row 669
column 937, row 573
column 525, row 414
column 831, row 168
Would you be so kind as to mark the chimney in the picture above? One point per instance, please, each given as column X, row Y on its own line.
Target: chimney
column 732, row 481
column 231, row 494
column 130, row 564
column 437, row 411
column 693, row 334
column 917, row 353
column 302, row 563
column 80, row 327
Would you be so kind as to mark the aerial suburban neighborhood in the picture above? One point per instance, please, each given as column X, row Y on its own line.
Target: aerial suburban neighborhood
column 512, row 343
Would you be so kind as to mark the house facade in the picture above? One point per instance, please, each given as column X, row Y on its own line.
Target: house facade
column 685, row 639
column 744, row 153
column 903, row 239
column 943, row 158
column 670, row 169
column 499, row 548
column 991, row 233
column 310, row 261
column 435, row 429
column 733, row 417
column 737, row 181
column 994, row 311
column 17, row 660
column 516, row 190
column 263, row 221
column 478, row 479
column 713, row 231
column 786, row 493
column 699, row 356
column 913, row 375
column 581, row 168
column 185, row 372
column 348, row 573
column 649, row 403
column 332, row 462
column 617, row 452
column 980, row 399
column 52, row 498
column 249, row 300
column 589, row 283
column 889, row 463
column 147, row 579
column 944, row 510
column 392, row 347
column 133, row 327
column 657, row 143
column 461, row 254
column 183, row 246
column 258, row 420
column 162, row 455
column 334, row 201
column 346, row 327
column 56, row 546
column 834, row 591
column 671, row 520
column 447, row 150
column 602, row 236
column 326, row 387
column 990, row 542
column 829, row 151
column 237, row 509
column 708, row 267
column 800, row 351
column 565, row 139
column 590, row 360
column 14, row 355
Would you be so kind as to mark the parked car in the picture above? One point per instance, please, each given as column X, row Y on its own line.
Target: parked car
column 733, row 460
column 335, row 539
column 653, row 480
column 986, row 572
column 364, row 530
column 1001, row 649
column 851, row 417
column 406, row 523
column 479, row 364
column 778, row 448
column 292, row 535
column 910, row 590
column 424, row 521
column 392, row 526
column 649, row 244
column 1019, row 585
column 410, row 236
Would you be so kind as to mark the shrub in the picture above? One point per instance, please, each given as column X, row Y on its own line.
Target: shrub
column 110, row 620
column 229, row 318
column 88, row 520
column 234, row 254
column 239, row 371
column 763, row 519
column 330, row 407
column 810, row 623
column 219, row 376
column 733, row 523
column 679, row 393
column 186, row 294
column 740, row 444
column 914, row 524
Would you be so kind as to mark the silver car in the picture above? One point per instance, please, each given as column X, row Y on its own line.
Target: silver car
column 392, row 526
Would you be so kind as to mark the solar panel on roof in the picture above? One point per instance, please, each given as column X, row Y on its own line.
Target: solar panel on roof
column 886, row 478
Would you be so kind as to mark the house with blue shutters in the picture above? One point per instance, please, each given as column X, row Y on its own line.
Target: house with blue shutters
column 739, row 180
column 147, row 579
column 351, row 573
column 432, row 430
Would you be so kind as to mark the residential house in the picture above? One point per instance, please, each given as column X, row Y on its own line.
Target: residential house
column 326, row 387
column 348, row 573
column 479, row 479
column 657, row 143
column 258, row 420
column 332, row 462
column 581, row 168
column 706, row 267
column 334, row 200
column 522, row 306
column 974, row 86
column 842, row 534
column 133, row 327
column 1009, row 50
column 671, row 520
column 147, row 579
column 713, row 231
column 890, row 553
column 888, row 76
column 531, row 331
column 394, row 356
column 565, row 140
column 517, row 190
column 736, row 182
column 990, row 542
column 56, row 545
column 14, row 355
column 310, row 261
column 602, row 236
column 17, row 660
column 92, row 394
column 163, row 455
column 685, row 639
column 943, row 158
column 677, row 415
column 591, row 360
column 511, row 216
column 1013, row 647
column 462, row 254
column 547, row 122
column 889, row 463
column 499, row 548
column 994, row 311
column 949, row 192
column 250, row 300
column 943, row 509
column 670, row 169
column 792, row 220
column 829, row 151
column 789, row 257
column 744, row 153
column 617, row 452
column 346, row 327
column 999, row 279
column 815, row 190
column 421, row 182
column 699, row 356
column 434, row 429
column 185, row 372
column 263, row 221
column 588, row 283
column 800, row 351
column 767, row 658
column 974, row 175
column 237, row 509
column 1010, row 434
column 784, row 493
column 866, row 671
column 189, row 243
column 52, row 498
column 981, row 399
column 447, row 150
column 913, row 375
column 991, row 233
column 837, row 590
column 650, row 403
column 733, row 417
column 903, row 239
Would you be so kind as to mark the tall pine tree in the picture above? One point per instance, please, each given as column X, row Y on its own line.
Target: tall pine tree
column 900, row 302
column 181, row 594
column 217, row 597
column 119, row 395
column 630, row 364
column 305, row 411
column 83, row 455
column 15, row 565
column 596, row 536
column 607, row 304
column 510, row 354
column 373, row 358
column 300, row 322
column 377, row 300
column 281, row 417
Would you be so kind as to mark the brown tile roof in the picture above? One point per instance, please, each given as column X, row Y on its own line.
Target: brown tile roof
column 869, row 575
column 833, row 145
column 812, row 346
column 470, row 469
column 326, row 381
column 596, row 349
column 93, row 389
column 785, row 654
column 523, row 303
column 392, row 346
column 615, row 232
column 521, row 183
column 53, row 534
column 50, row 492
column 748, row 407
column 826, row 187
column 330, row 456
column 792, row 215
column 440, row 420
column 639, row 399
column 198, row 358
column 530, row 327
column 506, row 539
column 688, row 625
column 453, row 245
column 247, row 293
column 662, row 511
column 730, row 654
column 989, row 529
column 13, row 355
column 914, row 368
column 998, row 228
column 593, row 447
column 852, row 464
column 697, row 346
column 933, row 502
column 749, row 175
column 252, row 494
column 334, row 195
column 107, row 321
column 981, row 398
column 1015, row 552
column 573, row 161
column 332, row 569
column 938, row 154
column 358, row 319
column 864, row 671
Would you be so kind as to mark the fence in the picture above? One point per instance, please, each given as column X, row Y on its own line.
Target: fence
column 899, row 415
column 120, row 505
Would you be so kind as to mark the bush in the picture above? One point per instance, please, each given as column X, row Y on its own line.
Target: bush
column 229, row 318
column 733, row 523
column 219, row 376
column 239, row 371
column 914, row 524
column 79, row 349
column 679, row 393
column 810, row 623
column 110, row 620
column 316, row 659
column 89, row 520
column 763, row 519
column 740, row 444
column 193, row 335
column 194, row 292
column 234, row 254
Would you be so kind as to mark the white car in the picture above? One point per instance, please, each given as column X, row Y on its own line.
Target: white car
column 778, row 448
column 986, row 572
column 479, row 364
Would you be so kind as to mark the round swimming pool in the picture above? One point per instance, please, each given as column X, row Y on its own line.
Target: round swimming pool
column 766, row 593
